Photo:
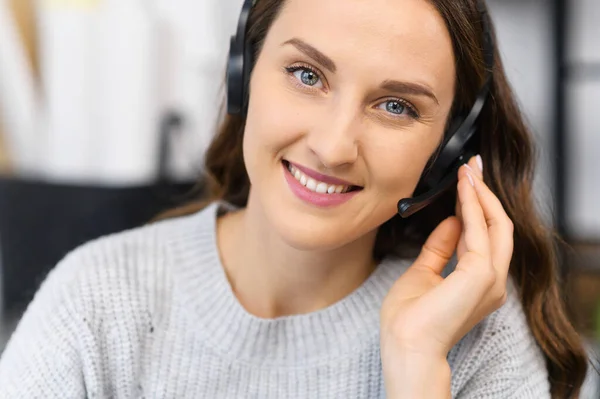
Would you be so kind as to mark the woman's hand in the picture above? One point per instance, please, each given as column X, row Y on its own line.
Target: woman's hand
column 425, row 315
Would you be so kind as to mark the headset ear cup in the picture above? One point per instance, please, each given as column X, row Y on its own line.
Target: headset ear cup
column 238, row 64
column 235, row 76
column 248, row 64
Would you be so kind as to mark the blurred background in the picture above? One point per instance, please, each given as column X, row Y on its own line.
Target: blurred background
column 106, row 108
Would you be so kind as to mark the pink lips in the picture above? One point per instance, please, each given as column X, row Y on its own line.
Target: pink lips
column 313, row 198
column 322, row 178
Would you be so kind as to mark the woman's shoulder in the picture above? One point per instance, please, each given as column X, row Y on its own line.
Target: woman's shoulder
column 99, row 304
column 133, row 266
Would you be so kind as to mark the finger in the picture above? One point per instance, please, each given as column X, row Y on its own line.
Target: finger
column 477, row 170
column 457, row 210
column 499, row 226
column 473, row 219
column 457, row 300
column 440, row 246
column 474, row 164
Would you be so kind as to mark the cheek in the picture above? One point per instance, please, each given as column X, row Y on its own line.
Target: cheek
column 271, row 129
column 396, row 168
column 273, row 120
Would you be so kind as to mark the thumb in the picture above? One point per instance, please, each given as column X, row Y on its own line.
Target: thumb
column 440, row 246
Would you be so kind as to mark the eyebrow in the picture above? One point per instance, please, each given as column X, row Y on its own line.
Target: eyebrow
column 390, row 85
column 409, row 88
column 313, row 53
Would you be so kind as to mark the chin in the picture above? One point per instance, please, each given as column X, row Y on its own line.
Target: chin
column 311, row 235
column 314, row 230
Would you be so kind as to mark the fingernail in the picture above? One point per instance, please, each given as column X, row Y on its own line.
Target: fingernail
column 479, row 162
column 470, row 178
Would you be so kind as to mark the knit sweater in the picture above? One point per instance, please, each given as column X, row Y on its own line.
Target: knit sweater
column 149, row 313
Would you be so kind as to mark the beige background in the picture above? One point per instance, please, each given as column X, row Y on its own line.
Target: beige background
column 25, row 17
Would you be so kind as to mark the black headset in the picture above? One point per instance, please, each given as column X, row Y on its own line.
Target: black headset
column 456, row 150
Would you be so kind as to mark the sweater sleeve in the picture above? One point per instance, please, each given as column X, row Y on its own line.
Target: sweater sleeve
column 500, row 358
column 43, row 357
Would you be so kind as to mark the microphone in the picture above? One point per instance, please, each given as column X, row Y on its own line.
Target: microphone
column 409, row 206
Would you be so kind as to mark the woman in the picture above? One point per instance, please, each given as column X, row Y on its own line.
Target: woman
column 297, row 279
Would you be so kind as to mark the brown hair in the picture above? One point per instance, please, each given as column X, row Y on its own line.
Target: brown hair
column 507, row 148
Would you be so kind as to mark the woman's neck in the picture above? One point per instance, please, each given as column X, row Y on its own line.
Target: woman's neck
column 272, row 279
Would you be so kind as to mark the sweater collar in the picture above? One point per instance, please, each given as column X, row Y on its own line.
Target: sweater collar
column 342, row 328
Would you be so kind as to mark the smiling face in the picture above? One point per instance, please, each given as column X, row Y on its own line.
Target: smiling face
column 348, row 101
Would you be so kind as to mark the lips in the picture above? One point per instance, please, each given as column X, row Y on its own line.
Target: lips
column 317, row 189
column 315, row 185
column 318, row 182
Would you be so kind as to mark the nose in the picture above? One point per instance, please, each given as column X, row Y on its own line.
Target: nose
column 334, row 139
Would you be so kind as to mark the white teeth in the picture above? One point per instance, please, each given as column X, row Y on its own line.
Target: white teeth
column 321, row 188
column 316, row 186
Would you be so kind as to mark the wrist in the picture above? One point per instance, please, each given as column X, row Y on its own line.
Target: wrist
column 411, row 376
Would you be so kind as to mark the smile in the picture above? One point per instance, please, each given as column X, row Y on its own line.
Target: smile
column 315, row 185
column 317, row 192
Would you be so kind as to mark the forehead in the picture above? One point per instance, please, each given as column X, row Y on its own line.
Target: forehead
column 401, row 39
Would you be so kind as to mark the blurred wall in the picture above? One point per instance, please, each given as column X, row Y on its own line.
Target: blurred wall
column 526, row 39
column 583, row 99
column 524, row 29
column 24, row 16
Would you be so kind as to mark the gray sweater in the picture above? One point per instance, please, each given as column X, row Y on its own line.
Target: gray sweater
column 149, row 313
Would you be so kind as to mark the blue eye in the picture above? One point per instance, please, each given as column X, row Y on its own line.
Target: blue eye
column 395, row 107
column 398, row 107
column 306, row 76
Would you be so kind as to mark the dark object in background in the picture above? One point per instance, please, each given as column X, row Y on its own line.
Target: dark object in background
column 40, row 223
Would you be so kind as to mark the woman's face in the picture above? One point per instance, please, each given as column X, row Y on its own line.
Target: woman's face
column 348, row 101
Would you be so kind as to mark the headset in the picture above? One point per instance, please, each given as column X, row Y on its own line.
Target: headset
column 455, row 151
